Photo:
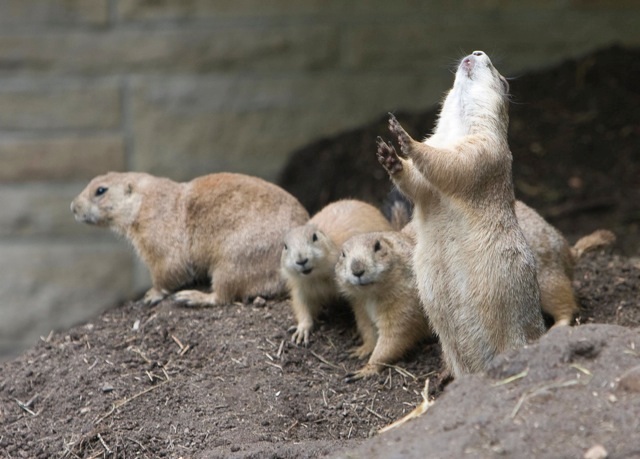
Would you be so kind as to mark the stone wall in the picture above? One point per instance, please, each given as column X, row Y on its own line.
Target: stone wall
column 185, row 87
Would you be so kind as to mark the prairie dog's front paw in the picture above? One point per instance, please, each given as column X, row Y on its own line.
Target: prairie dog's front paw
column 404, row 139
column 388, row 157
column 301, row 334
column 154, row 296
column 195, row 298
column 364, row 372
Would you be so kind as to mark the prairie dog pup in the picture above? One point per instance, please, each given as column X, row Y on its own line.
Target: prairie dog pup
column 310, row 254
column 555, row 260
column 374, row 272
column 476, row 273
column 227, row 228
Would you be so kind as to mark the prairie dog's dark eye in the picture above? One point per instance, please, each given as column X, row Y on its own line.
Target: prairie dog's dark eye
column 377, row 246
column 314, row 238
column 101, row 190
column 342, row 254
column 285, row 247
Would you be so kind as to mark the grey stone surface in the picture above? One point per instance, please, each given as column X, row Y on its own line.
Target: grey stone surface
column 171, row 49
column 59, row 158
column 54, row 12
column 45, row 104
column 46, row 285
column 250, row 124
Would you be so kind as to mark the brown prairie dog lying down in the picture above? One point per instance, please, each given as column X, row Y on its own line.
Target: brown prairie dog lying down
column 311, row 251
column 223, row 227
column 476, row 273
column 374, row 273
column 555, row 260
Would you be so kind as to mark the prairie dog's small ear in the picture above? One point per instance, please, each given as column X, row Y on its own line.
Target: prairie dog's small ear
column 129, row 188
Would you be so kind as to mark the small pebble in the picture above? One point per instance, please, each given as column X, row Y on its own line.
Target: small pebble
column 106, row 387
column 259, row 302
column 596, row 452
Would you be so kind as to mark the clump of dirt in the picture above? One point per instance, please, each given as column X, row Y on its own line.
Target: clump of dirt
column 176, row 382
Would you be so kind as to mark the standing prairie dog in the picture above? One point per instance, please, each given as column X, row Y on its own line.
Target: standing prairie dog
column 226, row 228
column 311, row 251
column 555, row 259
column 475, row 271
column 374, row 272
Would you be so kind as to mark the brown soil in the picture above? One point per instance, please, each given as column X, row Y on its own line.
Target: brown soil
column 226, row 382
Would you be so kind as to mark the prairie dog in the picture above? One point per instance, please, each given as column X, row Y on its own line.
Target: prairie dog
column 374, row 273
column 311, row 251
column 226, row 228
column 555, row 261
column 476, row 273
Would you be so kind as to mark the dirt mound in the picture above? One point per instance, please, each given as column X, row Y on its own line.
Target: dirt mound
column 227, row 382
column 576, row 389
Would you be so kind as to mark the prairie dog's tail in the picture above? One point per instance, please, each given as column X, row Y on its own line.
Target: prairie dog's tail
column 596, row 240
column 398, row 209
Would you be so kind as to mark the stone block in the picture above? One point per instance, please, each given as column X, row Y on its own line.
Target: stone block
column 171, row 49
column 54, row 12
column 190, row 126
column 179, row 10
column 55, row 285
column 60, row 158
column 433, row 9
column 417, row 44
column 41, row 103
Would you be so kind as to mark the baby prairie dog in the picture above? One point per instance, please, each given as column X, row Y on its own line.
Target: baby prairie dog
column 555, row 261
column 311, row 251
column 224, row 228
column 374, row 273
column 476, row 273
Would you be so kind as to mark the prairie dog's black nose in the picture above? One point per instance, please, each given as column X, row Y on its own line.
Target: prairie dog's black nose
column 357, row 268
column 302, row 262
column 478, row 53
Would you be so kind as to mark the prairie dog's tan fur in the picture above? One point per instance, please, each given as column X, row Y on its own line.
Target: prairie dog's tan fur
column 555, row 260
column 476, row 273
column 224, row 227
column 374, row 272
column 310, row 253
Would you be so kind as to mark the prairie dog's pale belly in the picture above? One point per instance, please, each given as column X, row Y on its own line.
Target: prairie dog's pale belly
column 455, row 257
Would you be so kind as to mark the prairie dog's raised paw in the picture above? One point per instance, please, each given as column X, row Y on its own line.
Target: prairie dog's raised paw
column 404, row 139
column 388, row 157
